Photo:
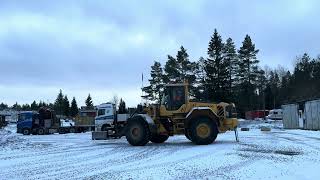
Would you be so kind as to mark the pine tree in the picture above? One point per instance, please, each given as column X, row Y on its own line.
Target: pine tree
column 34, row 106
column 16, row 106
column 3, row 106
column 122, row 107
column 171, row 70
column 66, row 106
column 285, row 91
column 200, row 87
column 74, row 108
column 216, row 70
column 89, row 101
column 25, row 107
column 154, row 90
column 58, row 104
column 230, row 58
column 180, row 69
column 247, row 74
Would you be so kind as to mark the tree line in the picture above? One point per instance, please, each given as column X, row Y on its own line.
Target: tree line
column 62, row 105
column 228, row 74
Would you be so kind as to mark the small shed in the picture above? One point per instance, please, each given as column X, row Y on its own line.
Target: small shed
column 312, row 115
column 290, row 116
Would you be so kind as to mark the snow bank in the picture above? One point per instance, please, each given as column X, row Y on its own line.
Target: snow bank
column 257, row 124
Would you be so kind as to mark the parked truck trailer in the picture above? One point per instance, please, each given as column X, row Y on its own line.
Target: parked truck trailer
column 44, row 122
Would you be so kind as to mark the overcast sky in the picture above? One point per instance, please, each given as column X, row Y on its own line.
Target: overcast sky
column 102, row 47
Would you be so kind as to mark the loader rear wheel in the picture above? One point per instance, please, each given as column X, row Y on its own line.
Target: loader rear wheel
column 157, row 138
column 138, row 132
column 203, row 131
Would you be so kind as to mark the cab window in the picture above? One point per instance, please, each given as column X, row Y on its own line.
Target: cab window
column 174, row 98
column 101, row 112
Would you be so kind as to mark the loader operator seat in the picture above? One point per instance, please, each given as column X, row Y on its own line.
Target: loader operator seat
column 174, row 98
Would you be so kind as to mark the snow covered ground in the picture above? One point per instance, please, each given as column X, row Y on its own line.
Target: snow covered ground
column 279, row 154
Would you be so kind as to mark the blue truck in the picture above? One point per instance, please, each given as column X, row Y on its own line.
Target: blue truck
column 3, row 121
column 42, row 122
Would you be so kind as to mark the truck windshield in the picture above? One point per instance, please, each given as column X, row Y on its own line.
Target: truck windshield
column 24, row 116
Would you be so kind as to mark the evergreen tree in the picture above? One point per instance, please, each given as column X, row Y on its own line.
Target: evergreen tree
column 34, row 106
column 66, row 106
column 200, row 87
column 74, row 108
column 285, row 88
column 171, row 70
column 247, row 74
column 261, row 86
column 16, row 106
column 59, row 104
column 89, row 101
column 122, row 107
column 3, row 106
column 231, row 59
column 154, row 90
column 25, row 107
column 180, row 69
column 216, row 70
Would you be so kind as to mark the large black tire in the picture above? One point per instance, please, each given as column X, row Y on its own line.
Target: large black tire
column 187, row 134
column 203, row 131
column 41, row 131
column 157, row 138
column 138, row 132
column 72, row 130
column 26, row 131
column 61, row 131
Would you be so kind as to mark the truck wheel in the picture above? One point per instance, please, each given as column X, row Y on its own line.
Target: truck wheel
column 187, row 134
column 203, row 131
column 26, row 131
column 72, row 130
column 40, row 131
column 157, row 138
column 61, row 131
column 138, row 132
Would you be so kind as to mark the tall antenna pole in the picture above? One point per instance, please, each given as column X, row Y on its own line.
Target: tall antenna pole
column 142, row 88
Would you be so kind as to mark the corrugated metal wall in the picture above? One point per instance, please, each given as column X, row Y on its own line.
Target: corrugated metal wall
column 312, row 115
column 290, row 116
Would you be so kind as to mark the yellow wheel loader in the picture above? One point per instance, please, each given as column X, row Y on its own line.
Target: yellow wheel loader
column 177, row 114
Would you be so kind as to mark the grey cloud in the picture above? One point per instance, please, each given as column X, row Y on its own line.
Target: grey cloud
column 110, row 43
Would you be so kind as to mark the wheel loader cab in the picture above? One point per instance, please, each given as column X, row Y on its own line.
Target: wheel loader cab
column 175, row 95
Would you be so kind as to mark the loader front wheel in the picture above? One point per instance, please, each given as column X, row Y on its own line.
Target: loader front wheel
column 138, row 132
column 203, row 131
column 157, row 138
column 187, row 134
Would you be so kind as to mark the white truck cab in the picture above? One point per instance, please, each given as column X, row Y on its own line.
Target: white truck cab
column 106, row 115
column 275, row 114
